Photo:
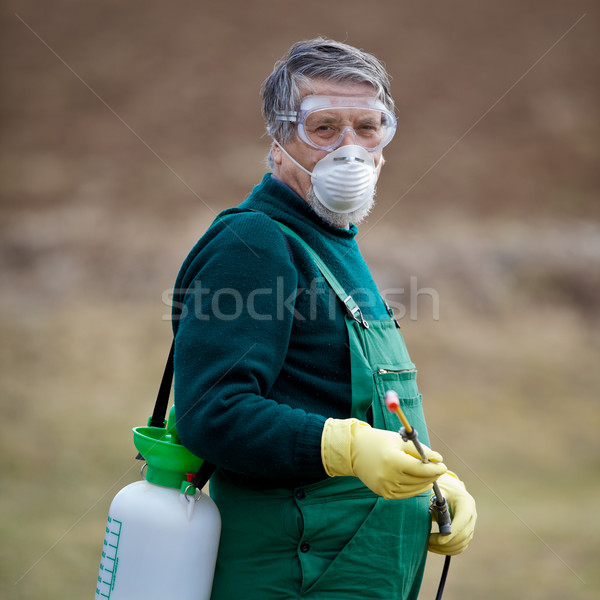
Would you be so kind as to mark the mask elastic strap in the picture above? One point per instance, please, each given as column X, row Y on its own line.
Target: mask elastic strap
column 292, row 159
column 377, row 166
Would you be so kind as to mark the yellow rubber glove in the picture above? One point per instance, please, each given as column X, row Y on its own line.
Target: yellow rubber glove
column 385, row 463
column 463, row 514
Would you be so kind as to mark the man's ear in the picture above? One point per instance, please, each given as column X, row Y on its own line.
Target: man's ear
column 276, row 153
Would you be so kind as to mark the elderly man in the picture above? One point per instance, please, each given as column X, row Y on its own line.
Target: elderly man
column 284, row 350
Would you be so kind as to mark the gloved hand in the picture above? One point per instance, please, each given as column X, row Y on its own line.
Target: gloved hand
column 463, row 514
column 385, row 463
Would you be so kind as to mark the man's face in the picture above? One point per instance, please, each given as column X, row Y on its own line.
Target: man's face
column 285, row 170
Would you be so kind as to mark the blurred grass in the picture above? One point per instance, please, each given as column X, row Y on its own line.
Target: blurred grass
column 76, row 381
column 512, row 406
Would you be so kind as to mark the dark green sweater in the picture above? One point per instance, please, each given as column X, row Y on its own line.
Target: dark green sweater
column 261, row 347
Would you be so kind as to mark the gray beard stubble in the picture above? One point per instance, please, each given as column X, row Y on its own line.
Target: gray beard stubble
column 339, row 219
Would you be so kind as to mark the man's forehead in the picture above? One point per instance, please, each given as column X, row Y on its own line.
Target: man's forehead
column 324, row 87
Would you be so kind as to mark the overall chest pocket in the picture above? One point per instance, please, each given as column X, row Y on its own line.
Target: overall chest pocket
column 404, row 383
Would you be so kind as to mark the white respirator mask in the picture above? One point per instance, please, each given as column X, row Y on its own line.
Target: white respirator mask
column 344, row 180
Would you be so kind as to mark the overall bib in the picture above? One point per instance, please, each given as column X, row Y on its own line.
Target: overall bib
column 334, row 539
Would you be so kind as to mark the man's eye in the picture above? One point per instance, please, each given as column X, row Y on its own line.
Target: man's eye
column 368, row 127
column 325, row 130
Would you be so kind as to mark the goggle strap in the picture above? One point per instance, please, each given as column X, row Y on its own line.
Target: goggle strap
column 283, row 115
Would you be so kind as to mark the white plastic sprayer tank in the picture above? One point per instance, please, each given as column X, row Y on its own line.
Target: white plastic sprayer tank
column 161, row 542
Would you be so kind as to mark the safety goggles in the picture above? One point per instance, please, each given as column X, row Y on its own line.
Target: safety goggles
column 323, row 121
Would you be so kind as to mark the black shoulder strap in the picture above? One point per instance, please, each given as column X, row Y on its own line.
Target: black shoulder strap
column 162, row 400
column 158, row 418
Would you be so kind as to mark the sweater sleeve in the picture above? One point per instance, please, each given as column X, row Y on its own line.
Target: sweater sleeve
column 231, row 342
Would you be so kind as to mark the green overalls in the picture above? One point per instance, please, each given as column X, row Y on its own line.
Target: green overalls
column 334, row 539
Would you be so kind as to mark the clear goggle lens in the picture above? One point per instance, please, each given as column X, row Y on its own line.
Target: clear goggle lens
column 324, row 121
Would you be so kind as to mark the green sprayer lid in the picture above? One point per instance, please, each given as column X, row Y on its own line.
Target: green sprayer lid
column 168, row 461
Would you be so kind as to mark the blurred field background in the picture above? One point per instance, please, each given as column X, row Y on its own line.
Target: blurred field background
column 127, row 126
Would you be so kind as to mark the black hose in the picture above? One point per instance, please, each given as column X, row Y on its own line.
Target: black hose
column 443, row 578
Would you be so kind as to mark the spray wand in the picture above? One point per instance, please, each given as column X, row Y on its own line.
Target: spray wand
column 438, row 502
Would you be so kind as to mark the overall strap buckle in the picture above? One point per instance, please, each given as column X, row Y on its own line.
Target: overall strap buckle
column 354, row 311
column 390, row 312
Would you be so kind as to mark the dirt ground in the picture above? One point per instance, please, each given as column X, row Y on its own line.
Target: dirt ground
column 126, row 127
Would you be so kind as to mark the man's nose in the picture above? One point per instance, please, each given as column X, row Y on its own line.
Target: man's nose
column 348, row 137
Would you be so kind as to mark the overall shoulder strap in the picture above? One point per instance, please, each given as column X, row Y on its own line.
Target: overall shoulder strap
column 352, row 308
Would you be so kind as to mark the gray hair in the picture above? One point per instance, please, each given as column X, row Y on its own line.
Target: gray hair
column 319, row 58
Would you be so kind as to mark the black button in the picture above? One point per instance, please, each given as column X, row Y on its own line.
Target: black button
column 300, row 494
column 304, row 547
